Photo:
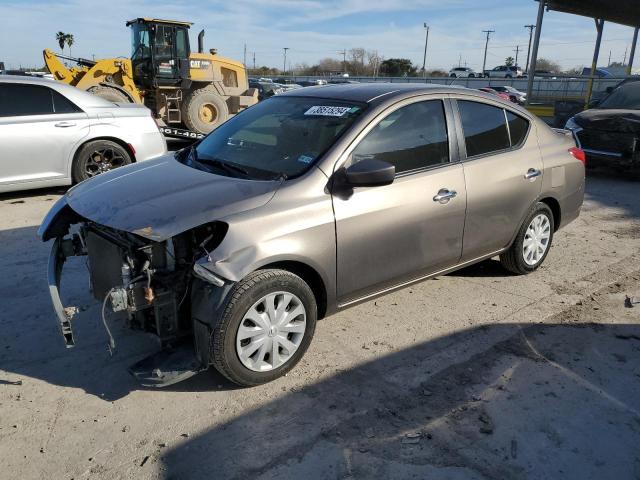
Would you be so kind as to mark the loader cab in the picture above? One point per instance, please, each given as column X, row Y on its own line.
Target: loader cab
column 159, row 52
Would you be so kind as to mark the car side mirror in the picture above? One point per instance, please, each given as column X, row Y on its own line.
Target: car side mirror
column 593, row 103
column 370, row 172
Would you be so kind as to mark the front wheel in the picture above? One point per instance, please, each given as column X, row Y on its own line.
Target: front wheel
column 532, row 243
column 97, row 157
column 266, row 327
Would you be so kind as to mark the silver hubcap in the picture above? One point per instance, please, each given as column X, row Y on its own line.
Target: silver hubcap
column 271, row 331
column 536, row 240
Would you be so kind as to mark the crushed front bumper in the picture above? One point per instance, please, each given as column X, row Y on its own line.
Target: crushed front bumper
column 60, row 250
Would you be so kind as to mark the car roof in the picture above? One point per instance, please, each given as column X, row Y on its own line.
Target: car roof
column 372, row 92
column 79, row 97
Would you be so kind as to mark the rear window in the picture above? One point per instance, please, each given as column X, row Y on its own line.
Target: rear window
column 485, row 128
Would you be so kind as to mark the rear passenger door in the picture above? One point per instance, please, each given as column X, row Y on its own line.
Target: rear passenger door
column 387, row 235
column 503, row 173
column 39, row 129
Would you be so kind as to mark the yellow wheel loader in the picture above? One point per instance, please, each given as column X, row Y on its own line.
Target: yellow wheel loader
column 189, row 93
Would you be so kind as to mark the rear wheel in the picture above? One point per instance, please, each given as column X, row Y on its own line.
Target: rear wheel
column 204, row 110
column 532, row 244
column 97, row 157
column 266, row 327
column 471, row 75
column 453, row 75
column 109, row 93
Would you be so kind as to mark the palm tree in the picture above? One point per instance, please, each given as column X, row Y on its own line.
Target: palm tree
column 61, row 37
column 69, row 40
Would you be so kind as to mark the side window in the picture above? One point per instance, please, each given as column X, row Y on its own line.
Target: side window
column 62, row 104
column 518, row 128
column 181, row 43
column 411, row 138
column 485, row 128
column 18, row 100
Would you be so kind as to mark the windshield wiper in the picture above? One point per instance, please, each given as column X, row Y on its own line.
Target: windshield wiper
column 223, row 165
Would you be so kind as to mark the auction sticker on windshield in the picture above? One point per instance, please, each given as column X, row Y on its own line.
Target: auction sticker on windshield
column 327, row 111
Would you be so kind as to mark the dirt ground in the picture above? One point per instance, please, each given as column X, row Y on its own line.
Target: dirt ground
column 474, row 375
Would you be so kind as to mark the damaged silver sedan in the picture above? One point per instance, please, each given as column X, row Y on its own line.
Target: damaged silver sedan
column 309, row 202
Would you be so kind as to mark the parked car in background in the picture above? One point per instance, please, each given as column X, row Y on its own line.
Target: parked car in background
column 308, row 203
column 490, row 90
column 609, row 133
column 463, row 72
column 54, row 134
column 504, row 71
column 265, row 89
column 515, row 95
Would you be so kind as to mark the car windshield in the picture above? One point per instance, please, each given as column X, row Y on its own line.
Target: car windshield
column 625, row 97
column 279, row 137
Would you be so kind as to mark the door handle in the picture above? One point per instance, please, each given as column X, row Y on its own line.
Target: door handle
column 444, row 195
column 532, row 173
column 65, row 124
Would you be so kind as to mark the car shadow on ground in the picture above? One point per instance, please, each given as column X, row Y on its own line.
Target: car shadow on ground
column 519, row 401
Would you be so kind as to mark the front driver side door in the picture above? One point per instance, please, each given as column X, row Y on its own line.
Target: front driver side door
column 389, row 235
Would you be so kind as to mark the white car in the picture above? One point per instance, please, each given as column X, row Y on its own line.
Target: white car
column 463, row 72
column 53, row 134
column 504, row 71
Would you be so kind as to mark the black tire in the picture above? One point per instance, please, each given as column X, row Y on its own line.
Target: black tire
column 508, row 76
column 471, row 75
column 453, row 75
column 98, row 156
column 204, row 110
column 513, row 259
column 244, row 295
column 110, row 94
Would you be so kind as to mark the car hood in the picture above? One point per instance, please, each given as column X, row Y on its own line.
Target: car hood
column 160, row 198
column 622, row 121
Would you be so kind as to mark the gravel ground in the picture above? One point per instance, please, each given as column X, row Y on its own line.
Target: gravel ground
column 474, row 375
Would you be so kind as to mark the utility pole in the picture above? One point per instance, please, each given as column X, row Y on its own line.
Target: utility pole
column 254, row 60
column 344, row 60
column 460, row 60
column 284, row 70
column 530, row 27
column 609, row 62
column 424, row 58
column 624, row 60
column 245, row 56
column 486, row 45
column 517, row 50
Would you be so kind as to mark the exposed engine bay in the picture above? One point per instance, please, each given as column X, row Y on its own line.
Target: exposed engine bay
column 150, row 284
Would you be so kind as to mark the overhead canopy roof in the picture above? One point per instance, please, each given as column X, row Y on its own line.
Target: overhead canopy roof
column 624, row 12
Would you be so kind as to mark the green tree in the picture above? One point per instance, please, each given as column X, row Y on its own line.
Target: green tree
column 398, row 67
column 61, row 37
column 509, row 61
column 69, row 40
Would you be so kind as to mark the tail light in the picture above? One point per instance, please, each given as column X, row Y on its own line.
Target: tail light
column 578, row 154
column 131, row 149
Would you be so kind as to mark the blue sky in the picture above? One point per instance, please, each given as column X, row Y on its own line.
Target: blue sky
column 312, row 29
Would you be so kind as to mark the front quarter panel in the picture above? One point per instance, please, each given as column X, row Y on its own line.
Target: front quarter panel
column 297, row 225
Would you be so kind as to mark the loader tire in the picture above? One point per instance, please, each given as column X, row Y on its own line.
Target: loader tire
column 110, row 94
column 204, row 110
